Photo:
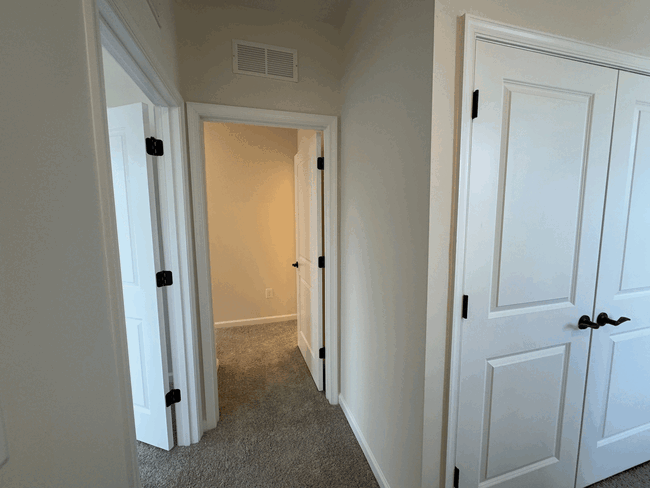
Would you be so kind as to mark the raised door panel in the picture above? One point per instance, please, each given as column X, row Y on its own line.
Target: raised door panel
column 137, row 366
column 128, row 258
column 538, row 169
column 616, row 424
column 523, row 431
column 627, row 409
column 635, row 275
column 540, row 195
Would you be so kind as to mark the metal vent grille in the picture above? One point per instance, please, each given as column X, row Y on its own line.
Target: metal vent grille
column 250, row 58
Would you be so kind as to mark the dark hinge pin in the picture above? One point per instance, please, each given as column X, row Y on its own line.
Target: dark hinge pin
column 475, row 105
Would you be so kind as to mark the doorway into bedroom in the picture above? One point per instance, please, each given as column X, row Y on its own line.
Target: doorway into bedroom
column 264, row 212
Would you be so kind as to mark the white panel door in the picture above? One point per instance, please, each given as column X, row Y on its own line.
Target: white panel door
column 308, row 194
column 616, row 425
column 137, row 231
column 538, row 168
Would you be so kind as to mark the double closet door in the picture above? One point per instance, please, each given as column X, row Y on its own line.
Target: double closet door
column 557, row 228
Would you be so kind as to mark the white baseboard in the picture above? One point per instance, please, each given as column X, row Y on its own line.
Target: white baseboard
column 381, row 479
column 255, row 321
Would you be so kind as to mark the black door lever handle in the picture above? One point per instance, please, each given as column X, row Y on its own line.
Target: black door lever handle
column 295, row 265
column 585, row 322
column 603, row 319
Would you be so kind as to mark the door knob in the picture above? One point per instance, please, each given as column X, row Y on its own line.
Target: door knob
column 585, row 322
column 295, row 265
column 603, row 319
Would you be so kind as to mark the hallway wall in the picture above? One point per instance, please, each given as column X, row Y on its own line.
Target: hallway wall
column 385, row 161
column 376, row 73
column 251, row 221
column 65, row 420
column 205, row 33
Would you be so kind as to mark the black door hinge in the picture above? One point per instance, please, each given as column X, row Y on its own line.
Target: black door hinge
column 321, row 261
column 321, row 353
column 320, row 163
column 174, row 396
column 164, row 278
column 154, row 146
column 456, row 476
column 475, row 105
column 465, row 305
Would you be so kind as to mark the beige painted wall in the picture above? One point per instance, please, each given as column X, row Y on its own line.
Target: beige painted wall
column 623, row 25
column 385, row 161
column 205, row 34
column 251, row 219
column 121, row 89
column 158, row 40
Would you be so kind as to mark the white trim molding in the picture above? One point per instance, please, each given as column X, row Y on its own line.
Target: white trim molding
column 254, row 321
column 476, row 29
column 197, row 113
column 113, row 273
column 370, row 457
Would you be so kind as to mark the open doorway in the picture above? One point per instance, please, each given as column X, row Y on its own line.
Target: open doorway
column 275, row 427
column 265, row 207
column 182, row 217
column 132, row 128
column 119, row 64
column 193, row 366
column 251, row 222
column 197, row 114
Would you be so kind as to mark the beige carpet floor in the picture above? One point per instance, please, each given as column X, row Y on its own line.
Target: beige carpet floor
column 637, row 477
column 275, row 429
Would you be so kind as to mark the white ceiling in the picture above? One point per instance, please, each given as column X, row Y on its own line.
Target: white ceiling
column 331, row 12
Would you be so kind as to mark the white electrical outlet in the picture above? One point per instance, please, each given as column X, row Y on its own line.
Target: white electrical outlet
column 269, row 293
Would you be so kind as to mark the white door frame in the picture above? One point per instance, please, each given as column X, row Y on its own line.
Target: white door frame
column 476, row 29
column 115, row 28
column 197, row 113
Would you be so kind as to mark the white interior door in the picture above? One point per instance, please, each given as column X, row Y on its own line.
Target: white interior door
column 538, row 168
column 616, row 425
column 308, row 249
column 133, row 187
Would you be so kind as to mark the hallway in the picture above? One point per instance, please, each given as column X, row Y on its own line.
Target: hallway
column 274, row 430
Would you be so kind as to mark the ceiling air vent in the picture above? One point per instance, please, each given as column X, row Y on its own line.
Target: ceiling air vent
column 251, row 58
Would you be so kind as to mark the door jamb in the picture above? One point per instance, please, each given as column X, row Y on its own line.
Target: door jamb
column 475, row 29
column 108, row 25
column 197, row 113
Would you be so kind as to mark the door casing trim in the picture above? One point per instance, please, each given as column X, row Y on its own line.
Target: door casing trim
column 112, row 27
column 197, row 113
column 174, row 211
column 475, row 29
